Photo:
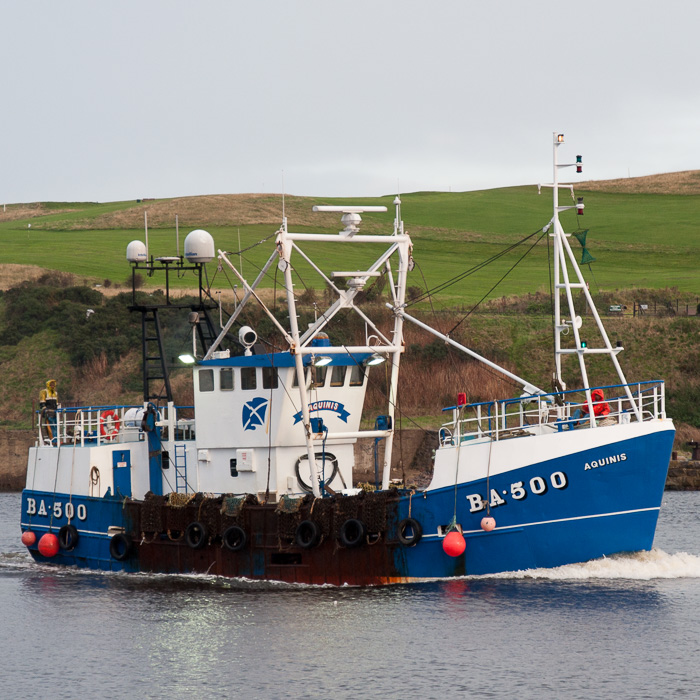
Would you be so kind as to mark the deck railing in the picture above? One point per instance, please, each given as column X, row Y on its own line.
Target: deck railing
column 97, row 425
column 555, row 412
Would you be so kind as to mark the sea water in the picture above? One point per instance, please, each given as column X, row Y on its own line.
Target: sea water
column 622, row 627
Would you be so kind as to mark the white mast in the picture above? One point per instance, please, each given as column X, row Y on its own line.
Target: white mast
column 564, row 259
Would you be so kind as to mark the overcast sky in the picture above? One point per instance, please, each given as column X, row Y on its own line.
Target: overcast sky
column 152, row 98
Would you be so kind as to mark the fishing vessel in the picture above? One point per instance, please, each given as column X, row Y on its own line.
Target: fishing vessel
column 256, row 480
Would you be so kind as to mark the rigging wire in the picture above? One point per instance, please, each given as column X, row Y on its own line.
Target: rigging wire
column 462, row 275
column 512, row 267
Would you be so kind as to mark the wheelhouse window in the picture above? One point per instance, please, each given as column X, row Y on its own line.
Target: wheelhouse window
column 226, row 379
column 357, row 375
column 269, row 377
column 338, row 375
column 307, row 377
column 318, row 376
column 248, row 378
column 206, row 379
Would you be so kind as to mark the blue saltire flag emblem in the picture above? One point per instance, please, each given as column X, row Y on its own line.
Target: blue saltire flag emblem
column 254, row 413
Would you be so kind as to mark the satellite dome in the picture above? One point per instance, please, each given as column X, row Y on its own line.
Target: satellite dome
column 136, row 252
column 199, row 246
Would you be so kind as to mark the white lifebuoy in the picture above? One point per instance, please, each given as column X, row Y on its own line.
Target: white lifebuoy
column 105, row 418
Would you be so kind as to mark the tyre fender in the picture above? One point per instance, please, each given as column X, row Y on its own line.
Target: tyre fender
column 308, row 534
column 352, row 533
column 68, row 537
column 120, row 547
column 196, row 535
column 410, row 532
column 234, row 538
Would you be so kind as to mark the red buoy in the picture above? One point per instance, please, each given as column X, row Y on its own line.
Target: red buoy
column 28, row 538
column 454, row 543
column 48, row 545
column 488, row 523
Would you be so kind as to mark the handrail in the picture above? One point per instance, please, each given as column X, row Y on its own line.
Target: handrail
column 528, row 415
column 93, row 425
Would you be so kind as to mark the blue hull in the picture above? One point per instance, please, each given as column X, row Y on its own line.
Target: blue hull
column 571, row 509
column 548, row 514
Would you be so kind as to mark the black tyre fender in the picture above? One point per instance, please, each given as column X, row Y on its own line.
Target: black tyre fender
column 410, row 532
column 308, row 534
column 352, row 533
column 196, row 535
column 68, row 537
column 120, row 547
column 234, row 538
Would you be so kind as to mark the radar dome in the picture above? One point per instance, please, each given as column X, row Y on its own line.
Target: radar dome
column 136, row 252
column 199, row 246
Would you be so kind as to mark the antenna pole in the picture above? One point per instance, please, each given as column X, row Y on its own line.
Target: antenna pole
column 145, row 224
column 177, row 236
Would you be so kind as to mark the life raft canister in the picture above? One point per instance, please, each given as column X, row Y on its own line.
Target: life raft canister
column 105, row 419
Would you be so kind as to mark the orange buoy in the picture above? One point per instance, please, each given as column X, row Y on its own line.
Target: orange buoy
column 28, row 538
column 454, row 543
column 48, row 545
column 488, row 524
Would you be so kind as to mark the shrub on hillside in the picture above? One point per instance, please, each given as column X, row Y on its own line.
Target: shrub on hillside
column 55, row 278
column 28, row 308
column 87, row 326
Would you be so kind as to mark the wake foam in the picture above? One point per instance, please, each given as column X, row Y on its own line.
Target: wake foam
column 639, row 566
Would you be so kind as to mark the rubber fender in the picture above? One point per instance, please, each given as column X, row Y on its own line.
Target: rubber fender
column 308, row 534
column 352, row 533
column 196, row 535
column 410, row 532
column 120, row 547
column 235, row 538
column 68, row 537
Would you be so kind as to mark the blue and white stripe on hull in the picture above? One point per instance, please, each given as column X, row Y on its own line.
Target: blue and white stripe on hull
column 94, row 518
column 550, row 513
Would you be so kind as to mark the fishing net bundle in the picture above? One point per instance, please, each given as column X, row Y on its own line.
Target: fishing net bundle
column 289, row 515
column 152, row 513
column 233, row 509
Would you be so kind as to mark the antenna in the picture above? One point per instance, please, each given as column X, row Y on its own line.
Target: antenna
column 240, row 254
column 283, row 214
column 145, row 224
column 177, row 236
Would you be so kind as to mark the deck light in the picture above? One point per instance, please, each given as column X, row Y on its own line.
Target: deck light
column 321, row 360
column 374, row 359
column 187, row 359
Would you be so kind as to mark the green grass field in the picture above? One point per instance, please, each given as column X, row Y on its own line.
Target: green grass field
column 638, row 240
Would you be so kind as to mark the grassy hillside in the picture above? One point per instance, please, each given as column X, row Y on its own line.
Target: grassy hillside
column 649, row 239
column 646, row 242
